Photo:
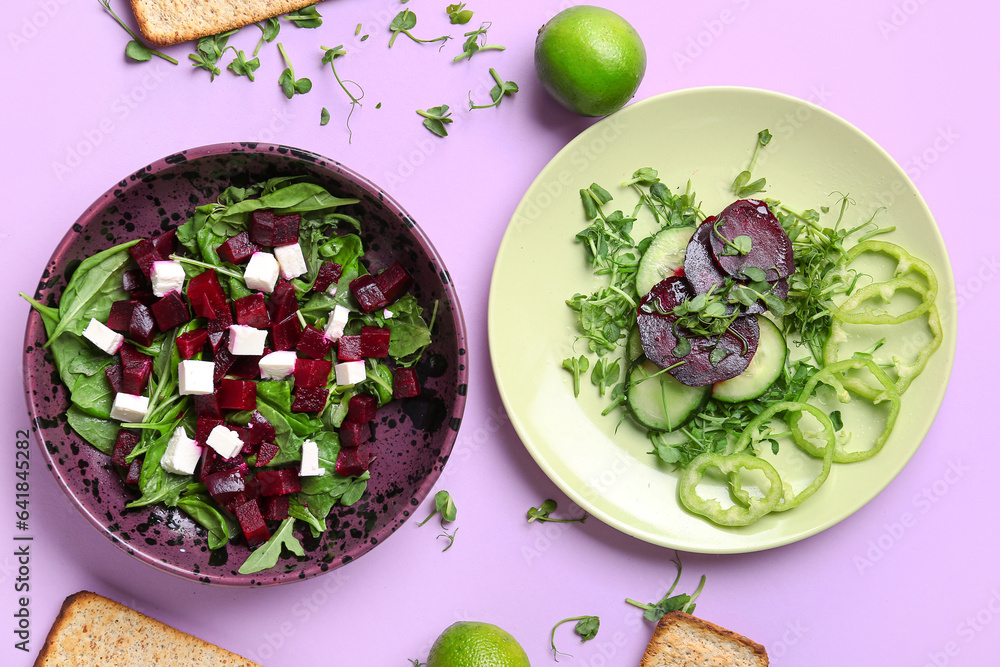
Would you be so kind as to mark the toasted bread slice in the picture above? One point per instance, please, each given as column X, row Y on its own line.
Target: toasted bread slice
column 684, row 640
column 166, row 22
column 93, row 631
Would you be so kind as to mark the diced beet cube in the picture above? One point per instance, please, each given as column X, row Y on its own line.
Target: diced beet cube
column 285, row 334
column 218, row 334
column 225, row 485
column 132, row 280
column 252, row 523
column 312, row 372
column 353, row 434
column 274, row 508
column 165, row 243
column 142, row 327
column 213, row 463
column 349, row 348
column 144, row 253
column 246, row 366
column 238, row 249
column 266, row 452
column 237, row 395
column 246, row 436
column 393, row 281
column 279, row 482
column 114, row 375
column 191, row 342
column 354, row 461
column 224, row 361
column 206, row 294
column 405, row 383
column 329, row 273
column 252, row 311
column 207, row 405
column 375, row 341
column 260, row 429
column 269, row 229
column 361, row 408
column 124, row 444
column 309, row 399
column 135, row 376
column 367, row 293
column 204, row 428
column 170, row 311
column 134, row 471
column 143, row 296
column 314, row 343
column 283, row 301
column 120, row 316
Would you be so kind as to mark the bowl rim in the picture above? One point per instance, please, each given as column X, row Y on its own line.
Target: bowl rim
column 34, row 330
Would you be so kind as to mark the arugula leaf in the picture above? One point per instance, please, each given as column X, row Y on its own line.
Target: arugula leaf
column 266, row 555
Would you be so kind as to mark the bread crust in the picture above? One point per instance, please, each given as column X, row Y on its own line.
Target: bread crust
column 92, row 631
column 166, row 22
column 680, row 639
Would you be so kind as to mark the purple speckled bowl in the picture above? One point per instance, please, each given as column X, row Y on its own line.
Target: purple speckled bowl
column 414, row 437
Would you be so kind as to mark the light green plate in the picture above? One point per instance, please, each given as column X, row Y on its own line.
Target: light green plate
column 705, row 135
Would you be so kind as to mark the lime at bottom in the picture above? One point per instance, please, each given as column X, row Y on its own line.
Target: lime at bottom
column 473, row 644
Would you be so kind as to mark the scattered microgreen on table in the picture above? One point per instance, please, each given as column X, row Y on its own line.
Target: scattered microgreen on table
column 404, row 22
column 289, row 84
column 209, row 51
column 458, row 14
column 586, row 628
column 443, row 506
column 240, row 66
column 307, row 17
column 136, row 49
column 501, row 89
column 475, row 41
column 269, row 30
column 436, row 119
column 654, row 611
column 542, row 514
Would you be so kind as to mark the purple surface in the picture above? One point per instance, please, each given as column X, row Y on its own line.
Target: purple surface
column 910, row 579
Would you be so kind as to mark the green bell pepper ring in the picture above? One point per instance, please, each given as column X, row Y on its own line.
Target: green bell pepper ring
column 905, row 264
column 851, row 310
column 740, row 514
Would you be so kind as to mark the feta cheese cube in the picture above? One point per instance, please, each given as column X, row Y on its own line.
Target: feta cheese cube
column 277, row 365
column 387, row 314
column 246, row 340
column 336, row 322
column 182, row 454
column 129, row 408
column 350, row 372
column 261, row 272
column 103, row 337
column 226, row 443
column 290, row 261
column 195, row 377
column 167, row 277
column 310, row 460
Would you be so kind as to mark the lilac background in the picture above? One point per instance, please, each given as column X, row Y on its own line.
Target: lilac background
column 911, row 579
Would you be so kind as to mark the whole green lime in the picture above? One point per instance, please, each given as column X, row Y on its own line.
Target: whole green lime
column 473, row 644
column 590, row 60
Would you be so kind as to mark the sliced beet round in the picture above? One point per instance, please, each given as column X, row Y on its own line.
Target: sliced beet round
column 700, row 268
column 770, row 248
column 657, row 332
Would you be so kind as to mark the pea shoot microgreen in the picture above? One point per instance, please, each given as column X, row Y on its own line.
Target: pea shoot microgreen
column 307, row 17
column 136, row 49
column 458, row 14
column 269, row 30
column 404, row 22
column 324, row 116
column 475, row 41
column 436, row 119
column 742, row 187
column 209, row 51
column 443, row 505
column 498, row 92
column 240, row 66
column 289, row 84
column 586, row 628
column 542, row 514
column 329, row 55
column 605, row 373
column 577, row 367
column 654, row 611
column 448, row 536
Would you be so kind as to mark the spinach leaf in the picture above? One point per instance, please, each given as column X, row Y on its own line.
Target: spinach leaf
column 94, row 286
column 329, row 446
column 266, row 556
column 200, row 507
column 93, row 394
column 101, row 433
column 380, row 380
column 410, row 335
column 301, row 506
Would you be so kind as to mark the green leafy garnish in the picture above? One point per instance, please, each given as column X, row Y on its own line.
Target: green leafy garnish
column 436, row 119
column 577, row 367
column 742, row 187
column 269, row 30
column 670, row 602
column 586, row 628
column 266, row 555
column 458, row 13
column 136, row 49
column 542, row 513
column 475, row 41
column 289, row 84
column 404, row 22
column 329, row 55
column 448, row 536
column 307, row 17
column 209, row 52
column 498, row 92
column 443, row 505
column 324, row 116
column 243, row 67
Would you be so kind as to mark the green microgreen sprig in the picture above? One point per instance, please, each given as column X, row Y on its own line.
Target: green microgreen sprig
column 307, row 17
column 329, row 56
column 269, row 30
column 136, row 49
column 436, row 119
column 542, row 514
column 458, row 14
column 501, row 89
column 475, row 41
column 291, row 86
column 586, row 628
column 404, row 22
column 742, row 187
column 654, row 611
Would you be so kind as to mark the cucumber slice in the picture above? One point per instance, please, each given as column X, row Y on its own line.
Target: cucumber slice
column 766, row 366
column 663, row 257
column 634, row 345
column 662, row 403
